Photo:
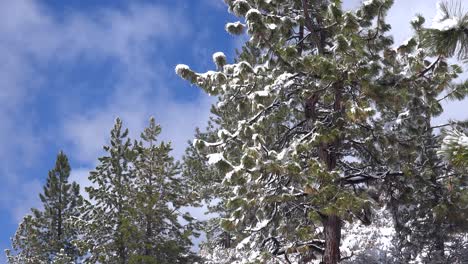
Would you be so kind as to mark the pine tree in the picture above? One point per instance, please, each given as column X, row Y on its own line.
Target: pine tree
column 109, row 229
column 205, row 183
column 295, row 116
column 27, row 244
column 136, row 199
column 300, row 144
column 428, row 204
column 48, row 232
column 159, row 195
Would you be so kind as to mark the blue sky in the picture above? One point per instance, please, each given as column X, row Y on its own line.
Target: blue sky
column 68, row 68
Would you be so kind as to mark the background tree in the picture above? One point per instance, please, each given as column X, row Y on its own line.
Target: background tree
column 427, row 204
column 26, row 244
column 48, row 231
column 109, row 229
column 135, row 214
column 206, row 188
column 160, row 193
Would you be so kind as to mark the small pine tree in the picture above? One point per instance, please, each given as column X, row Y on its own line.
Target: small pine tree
column 137, row 194
column 27, row 244
column 48, row 231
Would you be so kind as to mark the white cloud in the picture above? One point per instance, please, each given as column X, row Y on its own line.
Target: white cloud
column 22, row 198
column 141, row 90
column 89, row 132
column 31, row 38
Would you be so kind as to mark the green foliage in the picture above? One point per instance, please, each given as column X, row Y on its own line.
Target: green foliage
column 137, row 195
column 455, row 148
column 47, row 235
column 320, row 116
column 452, row 41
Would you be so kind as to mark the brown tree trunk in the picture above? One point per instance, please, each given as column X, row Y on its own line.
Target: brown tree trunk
column 332, row 231
column 328, row 155
column 326, row 150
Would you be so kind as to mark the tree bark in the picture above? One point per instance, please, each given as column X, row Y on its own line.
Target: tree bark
column 326, row 150
column 329, row 156
column 332, row 230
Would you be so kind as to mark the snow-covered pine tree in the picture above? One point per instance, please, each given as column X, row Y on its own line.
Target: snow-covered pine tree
column 109, row 228
column 455, row 148
column 205, row 183
column 159, row 195
column 296, row 118
column 428, row 204
column 48, row 231
column 62, row 258
column 137, row 193
column 27, row 246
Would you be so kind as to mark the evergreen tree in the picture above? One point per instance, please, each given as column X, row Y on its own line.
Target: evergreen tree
column 206, row 185
column 300, row 148
column 48, row 232
column 296, row 122
column 429, row 204
column 27, row 244
column 109, row 229
column 159, row 195
column 137, row 196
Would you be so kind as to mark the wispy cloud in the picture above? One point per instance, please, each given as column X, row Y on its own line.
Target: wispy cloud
column 31, row 39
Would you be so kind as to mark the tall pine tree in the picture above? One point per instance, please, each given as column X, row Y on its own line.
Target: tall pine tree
column 109, row 229
column 159, row 195
column 294, row 113
column 300, row 147
column 136, row 204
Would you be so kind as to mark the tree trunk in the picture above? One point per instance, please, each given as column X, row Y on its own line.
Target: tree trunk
column 332, row 230
column 328, row 155
column 327, row 151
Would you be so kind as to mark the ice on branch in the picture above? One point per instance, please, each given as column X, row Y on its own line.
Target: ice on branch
column 402, row 117
column 236, row 28
column 181, row 68
column 219, row 59
column 455, row 137
column 443, row 21
column 368, row 2
column 253, row 15
column 240, row 7
column 214, row 158
column 260, row 225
